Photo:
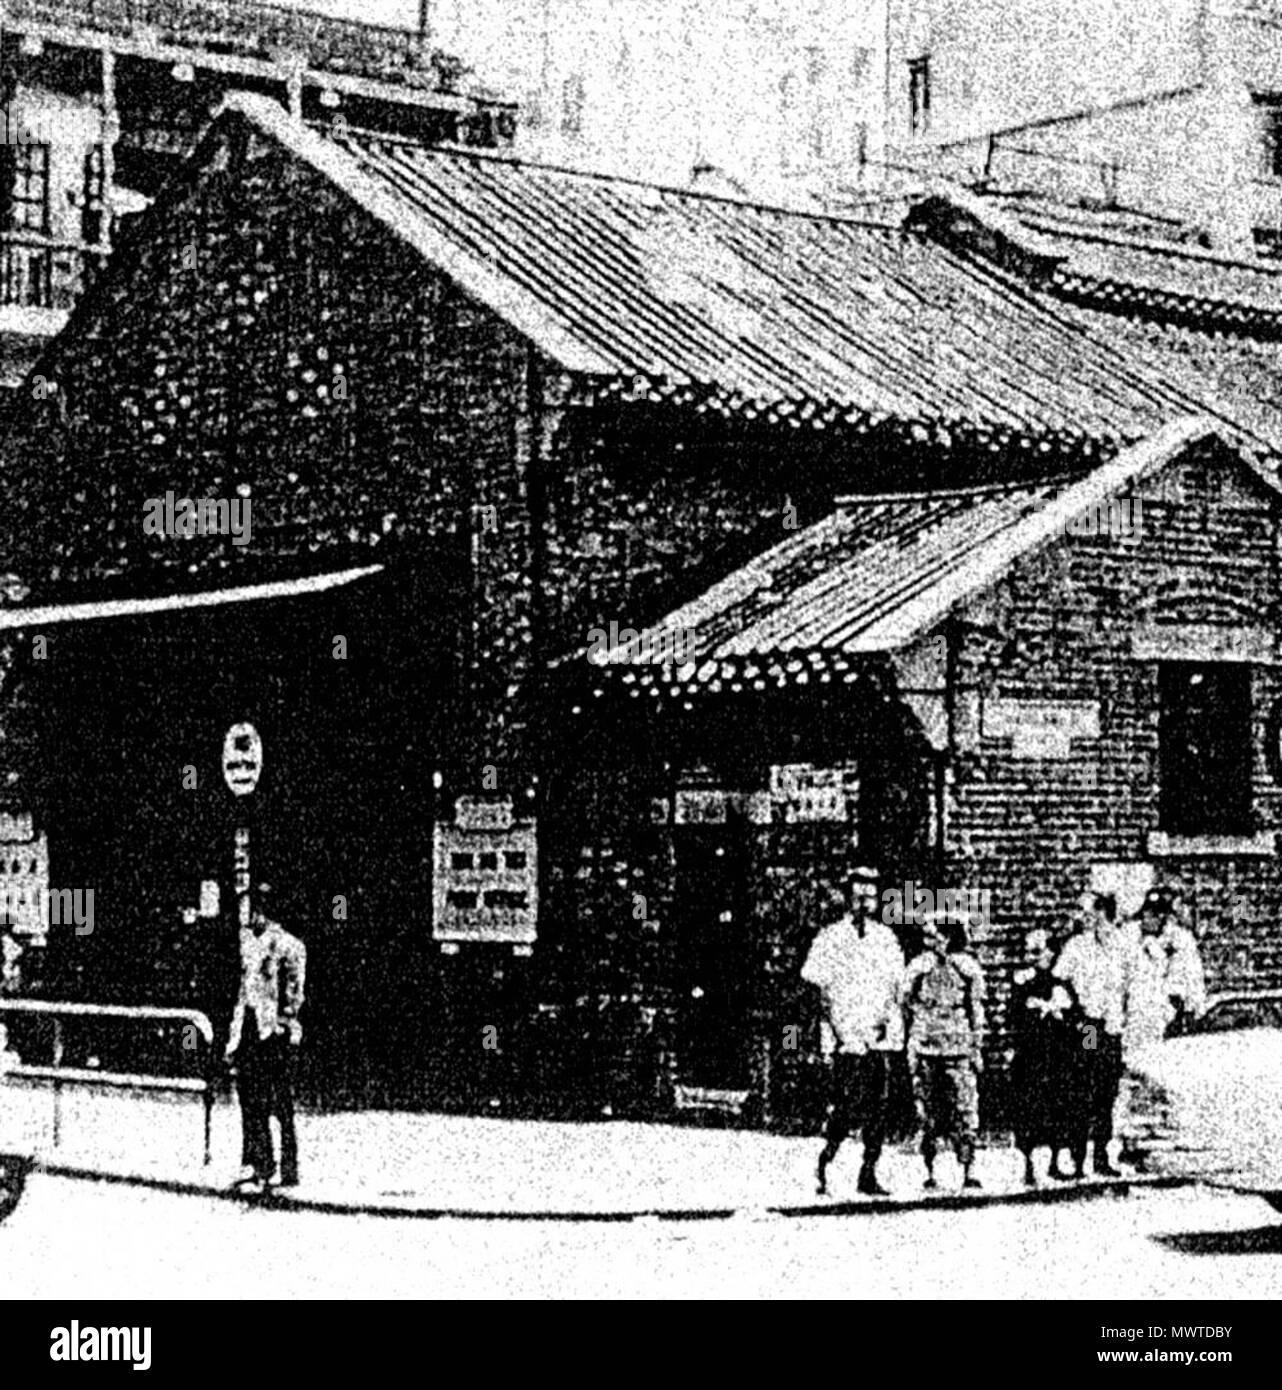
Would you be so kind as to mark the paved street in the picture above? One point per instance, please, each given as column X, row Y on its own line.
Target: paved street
column 83, row 1240
column 460, row 1164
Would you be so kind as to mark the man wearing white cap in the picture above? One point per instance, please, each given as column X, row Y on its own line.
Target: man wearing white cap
column 858, row 966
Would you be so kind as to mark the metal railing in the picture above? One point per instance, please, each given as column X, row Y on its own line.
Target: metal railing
column 60, row 1075
column 264, row 32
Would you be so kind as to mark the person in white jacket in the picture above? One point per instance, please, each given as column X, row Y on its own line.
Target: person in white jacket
column 858, row 965
column 265, row 1032
column 1185, row 977
column 1148, row 1003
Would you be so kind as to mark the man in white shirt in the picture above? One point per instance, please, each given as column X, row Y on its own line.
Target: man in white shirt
column 858, row 966
column 264, row 1034
column 1098, row 964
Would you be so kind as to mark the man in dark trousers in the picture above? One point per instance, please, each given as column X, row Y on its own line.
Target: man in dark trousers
column 1099, row 964
column 857, row 964
column 264, row 1035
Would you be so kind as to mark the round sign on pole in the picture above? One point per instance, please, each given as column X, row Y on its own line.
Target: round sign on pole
column 242, row 758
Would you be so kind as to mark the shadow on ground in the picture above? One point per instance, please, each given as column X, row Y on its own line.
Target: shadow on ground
column 1261, row 1240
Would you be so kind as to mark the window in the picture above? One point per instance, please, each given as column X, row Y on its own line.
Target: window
column 1269, row 110
column 572, row 106
column 919, row 96
column 29, row 200
column 92, row 201
column 1204, row 736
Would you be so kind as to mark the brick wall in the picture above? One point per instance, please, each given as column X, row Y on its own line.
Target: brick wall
column 1060, row 627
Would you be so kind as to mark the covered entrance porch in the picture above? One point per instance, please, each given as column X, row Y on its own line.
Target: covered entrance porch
column 699, row 825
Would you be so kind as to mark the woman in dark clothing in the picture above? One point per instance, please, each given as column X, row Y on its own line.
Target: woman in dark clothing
column 1045, row 1077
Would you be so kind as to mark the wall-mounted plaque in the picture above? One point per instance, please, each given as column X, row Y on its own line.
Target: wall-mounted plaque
column 809, row 793
column 485, row 883
column 16, row 828
column 699, row 806
column 474, row 813
column 1041, row 728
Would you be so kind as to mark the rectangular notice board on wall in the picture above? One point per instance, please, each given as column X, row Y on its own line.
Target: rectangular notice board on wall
column 485, row 883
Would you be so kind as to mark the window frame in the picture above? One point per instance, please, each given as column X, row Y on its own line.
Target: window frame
column 1221, row 804
column 29, row 187
column 919, row 96
column 93, row 206
column 573, row 100
column 1268, row 106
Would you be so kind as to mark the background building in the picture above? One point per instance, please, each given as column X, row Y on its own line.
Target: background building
column 1171, row 107
column 1168, row 107
column 100, row 104
column 784, row 98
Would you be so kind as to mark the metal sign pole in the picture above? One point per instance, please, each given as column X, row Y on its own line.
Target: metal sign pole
column 240, row 859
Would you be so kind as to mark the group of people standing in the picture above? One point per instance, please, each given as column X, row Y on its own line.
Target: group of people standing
column 932, row 1010
column 1117, row 986
column 1076, row 1014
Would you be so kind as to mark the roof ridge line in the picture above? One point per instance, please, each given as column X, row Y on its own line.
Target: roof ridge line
column 924, row 494
column 246, row 101
column 344, row 170
column 1261, row 265
column 1033, row 532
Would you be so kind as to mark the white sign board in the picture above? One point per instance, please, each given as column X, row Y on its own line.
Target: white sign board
column 240, row 862
column 809, row 793
column 472, row 813
column 485, row 883
column 16, row 829
column 1041, row 728
column 699, row 806
column 24, row 887
column 242, row 758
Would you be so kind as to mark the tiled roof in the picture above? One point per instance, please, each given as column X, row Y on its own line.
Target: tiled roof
column 728, row 305
column 874, row 575
column 1223, row 357
column 1147, row 264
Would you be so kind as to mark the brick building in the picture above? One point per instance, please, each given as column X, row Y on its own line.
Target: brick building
column 483, row 409
column 1099, row 703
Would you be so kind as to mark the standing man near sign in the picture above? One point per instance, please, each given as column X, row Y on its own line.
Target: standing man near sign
column 265, row 1032
column 857, row 964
